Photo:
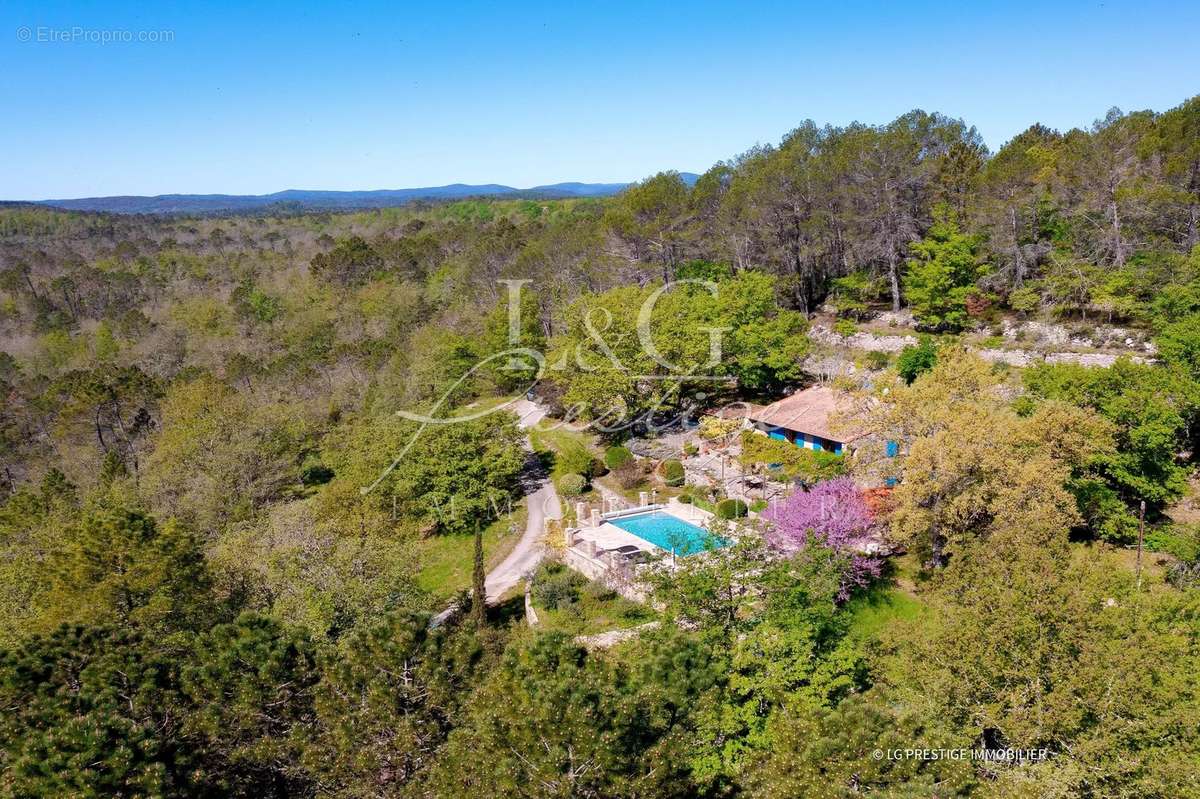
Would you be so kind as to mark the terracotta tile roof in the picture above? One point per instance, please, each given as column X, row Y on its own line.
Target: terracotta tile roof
column 811, row 411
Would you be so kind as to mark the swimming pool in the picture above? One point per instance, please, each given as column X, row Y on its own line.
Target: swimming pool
column 668, row 532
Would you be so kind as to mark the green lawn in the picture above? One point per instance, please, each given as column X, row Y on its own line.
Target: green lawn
column 447, row 560
column 876, row 609
column 558, row 437
column 564, row 445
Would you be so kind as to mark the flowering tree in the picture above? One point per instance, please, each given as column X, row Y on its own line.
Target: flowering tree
column 834, row 514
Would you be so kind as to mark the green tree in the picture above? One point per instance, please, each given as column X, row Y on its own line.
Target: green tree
column 119, row 565
column 555, row 721
column 649, row 216
column 478, row 577
column 1030, row 640
column 351, row 261
column 450, row 476
column 942, row 274
column 314, row 574
column 1152, row 410
column 388, row 697
column 440, row 369
column 830, row 752
column 32, row 527
column 115, row 406
column 973, row 466
column 915, row 361
column 219, row 457
column 517, row 371
column 107, row 712
column 658, row 348
column 771, row 626
column 1015, row 184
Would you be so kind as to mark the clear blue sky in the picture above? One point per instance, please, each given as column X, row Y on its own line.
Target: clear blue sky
column 254, row 97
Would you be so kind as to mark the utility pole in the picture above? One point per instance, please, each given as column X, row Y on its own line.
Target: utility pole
column 1141, row 539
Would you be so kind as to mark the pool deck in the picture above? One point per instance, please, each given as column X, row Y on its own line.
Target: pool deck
column 590, row 545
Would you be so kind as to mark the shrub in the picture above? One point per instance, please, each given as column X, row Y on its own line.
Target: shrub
column 556, row 586
column 853, row 292
column 758, row 505
column 915, row 361
column 597, row 591
column 704, row 270
column 597, row 468
column 616, row 457
column 1182, row 541
column 686, row 499
column 672, row 472
column 1184, row 575
column 690, row 449
column 731, row 509
column 845, row 327
column 572, row 485
column 1025, row 300
column 979, row 306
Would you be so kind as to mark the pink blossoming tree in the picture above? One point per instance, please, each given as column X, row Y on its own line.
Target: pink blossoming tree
column 834, row 514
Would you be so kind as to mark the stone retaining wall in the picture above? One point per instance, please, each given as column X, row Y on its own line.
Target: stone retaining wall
column 872, row 342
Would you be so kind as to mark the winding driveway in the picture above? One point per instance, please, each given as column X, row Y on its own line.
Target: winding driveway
column 542, row 504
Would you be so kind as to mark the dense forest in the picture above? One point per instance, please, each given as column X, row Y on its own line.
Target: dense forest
column 199, row 598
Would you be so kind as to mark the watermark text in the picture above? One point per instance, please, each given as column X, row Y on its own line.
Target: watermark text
column 78, row 34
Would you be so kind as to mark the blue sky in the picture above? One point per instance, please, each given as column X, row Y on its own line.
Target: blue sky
column 259, row 97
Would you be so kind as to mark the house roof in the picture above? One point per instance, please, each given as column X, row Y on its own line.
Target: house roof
column 813, row 411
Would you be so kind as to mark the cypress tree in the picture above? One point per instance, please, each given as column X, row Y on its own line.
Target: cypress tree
column 479, row 594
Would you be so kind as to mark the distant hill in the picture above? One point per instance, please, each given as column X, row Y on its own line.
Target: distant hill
column 297, row 199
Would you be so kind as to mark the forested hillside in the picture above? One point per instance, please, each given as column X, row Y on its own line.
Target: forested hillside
column 198, row 597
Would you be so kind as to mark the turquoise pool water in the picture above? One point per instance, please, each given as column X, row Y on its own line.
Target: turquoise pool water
column 669, row 532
